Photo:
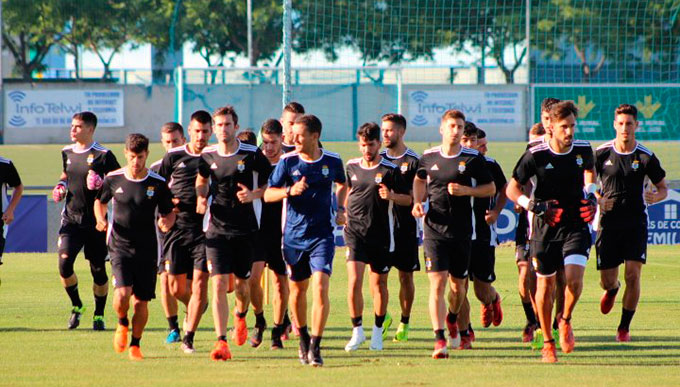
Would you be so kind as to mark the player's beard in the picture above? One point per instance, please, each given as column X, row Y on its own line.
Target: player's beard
column 369, row 157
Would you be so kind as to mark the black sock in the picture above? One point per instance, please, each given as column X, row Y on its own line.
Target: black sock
column 172, row 323
column 259, row 320
column 277, row 331
column 612, row 292
column 135, row 341
column 123, row 321
column 439, row 334
column 464, row 332
column 529, row 313
column 405, row 319
column 452, row 317
column 99, row 305
column 315, row 343
column 304, row 334
column 357, row 321
column 549, row 341
column 189, row 336
column 72, row 292
column 626, row 317
column 286, row 319
column 379, row 320
column 556, row 323
column 242, row 314
column 221, row 338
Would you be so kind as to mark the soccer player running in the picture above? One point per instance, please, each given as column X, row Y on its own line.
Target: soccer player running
column 623, row 165
column 375, row 185
column 184, row 244
column 449, row 175
column 237, row 174
column 560, row 235
column 290, row 113
column 9, row 177
column 84, row 164
column 172, row 136
column 268, row 252
column 405, row 254
column 137, row 195
column 305, row 179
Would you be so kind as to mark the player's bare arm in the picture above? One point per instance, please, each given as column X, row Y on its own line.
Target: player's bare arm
column 397, row 198
column 100, row 215
column 658, row 194
column 246, row 195
column 419, row 193
column 165, row 222
column 202, row 194
column 8, row 215
column 481, row 191
column 341, row 192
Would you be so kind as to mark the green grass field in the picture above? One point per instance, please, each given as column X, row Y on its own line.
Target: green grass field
column 36, row 348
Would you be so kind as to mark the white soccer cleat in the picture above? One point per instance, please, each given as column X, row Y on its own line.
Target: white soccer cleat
column 358, row 337
column 376, row 339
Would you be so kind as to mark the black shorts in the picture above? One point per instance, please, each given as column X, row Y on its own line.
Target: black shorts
column 268, row 249
column 614, row 246
column 405, row 255
column 452, row 255
column 2, row 238
column 73, row 238
column 548, row 257
column 184, row 251
column 135, row 268
column 522, row 232
column 229, row 254
column 482, row 261
column 378, row 257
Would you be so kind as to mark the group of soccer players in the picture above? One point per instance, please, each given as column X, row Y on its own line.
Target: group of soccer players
column 225, row 212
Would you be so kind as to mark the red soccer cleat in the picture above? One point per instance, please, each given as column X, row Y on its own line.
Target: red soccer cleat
column 440, row 351
column 622, row 336
column 120, row 338
column 566, row 336
column 221, row 351
column 528, row 333
column 471, row 333
column 607, row 301
column 465, row 342
column 487, row 315
column 549, row 353
column 135, row 353
column 240, row 334
column 497, row 311
column 454, row 337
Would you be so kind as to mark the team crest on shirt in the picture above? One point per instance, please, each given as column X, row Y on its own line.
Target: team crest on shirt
column 167, row 265
column 150, row 191
column 210, row 267
column 90, row 159
column 241, row 166
column 534, row 262
column 325, row 171
column 378, row 178
column 404, row 167
column 636, row 165
column 428, row 263
column 461, row 166
column 579, row 160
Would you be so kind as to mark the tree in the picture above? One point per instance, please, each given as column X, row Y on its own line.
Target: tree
column 29, row 30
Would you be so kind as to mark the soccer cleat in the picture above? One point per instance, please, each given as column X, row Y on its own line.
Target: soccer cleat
column 303, row 351
column 440, row 351
column 173, row 337
column 386, row 325
column 120, row 338
column 221, row 351
column 74, row 320
column 402, row 333
column 549, row 353
column 622, row 336
column 187, row 346
column 356, row 340
column 454, row 337
column 256, row 336
column 135, row 353
column 537, row 343
column 566, row 336
column 486, row 315
column 376, row 339
column 607, row 301
column 528, row 333
column 497, row 311
column 240, row 332
column 465, row 342
column 471, row 333
column 98, row 323
column 314, row 357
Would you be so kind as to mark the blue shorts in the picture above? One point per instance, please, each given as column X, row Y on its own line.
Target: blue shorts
column 318, row 256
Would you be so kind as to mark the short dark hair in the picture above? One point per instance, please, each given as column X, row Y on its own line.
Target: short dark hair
column 271, row 126
column 88, row 118
column 369, row 131
column 311, row 123
column 481, row 133
column 225, row 111
column 537, row 129
column 453, row 114
column 247, row 136
column 625, row 108
column 548, row 103
column 170, row 127
column 201, row 116
column 395, row 118
column 294, row 107
column 136, row 143
column 562, row 110
column 470, row 129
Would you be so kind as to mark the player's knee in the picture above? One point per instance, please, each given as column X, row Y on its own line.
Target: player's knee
column 632, row 278
column 65, row 265
column 99, row 276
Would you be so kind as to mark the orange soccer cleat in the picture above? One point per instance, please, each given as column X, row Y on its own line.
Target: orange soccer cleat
column 240, row 334
column 497, row 311
column 120, row 338
column 622, row 336
column 135, row 353
column 607, row 300
column 487, row 315
column 549, row 353
column 566, row 336
column 221, row 351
